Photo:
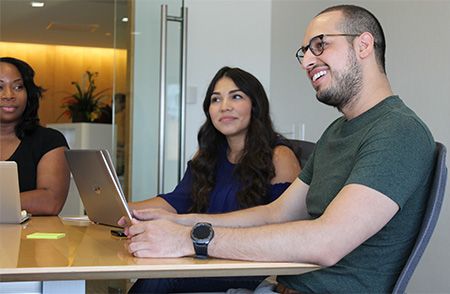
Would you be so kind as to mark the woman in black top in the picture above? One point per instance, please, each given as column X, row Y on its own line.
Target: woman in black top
column 39, row 152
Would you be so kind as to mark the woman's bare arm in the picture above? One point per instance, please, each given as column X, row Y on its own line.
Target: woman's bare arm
column 52, row 185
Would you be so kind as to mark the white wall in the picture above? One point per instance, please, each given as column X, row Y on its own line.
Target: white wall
column 417, row 60
column 223, row 33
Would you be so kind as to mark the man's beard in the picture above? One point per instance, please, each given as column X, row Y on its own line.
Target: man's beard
column 347, row 85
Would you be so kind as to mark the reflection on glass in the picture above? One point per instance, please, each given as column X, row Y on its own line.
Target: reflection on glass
column 10, row 244
column 63, row 40
column 43, row 252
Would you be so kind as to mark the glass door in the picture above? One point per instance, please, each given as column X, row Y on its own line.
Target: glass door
column 118, row 44
column 156, row 152
column 70, row 43
column 63, row 40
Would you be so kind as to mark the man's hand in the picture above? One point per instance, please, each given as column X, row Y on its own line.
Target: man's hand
column 158, row 238
column 148, row 214
column 123, row 222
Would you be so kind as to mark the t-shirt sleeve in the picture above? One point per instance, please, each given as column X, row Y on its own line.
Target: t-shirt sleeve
column 180, row 198
column 395, row 160
column 44, row 140
column 32, row 148
column 52, row 139
column 306, row 174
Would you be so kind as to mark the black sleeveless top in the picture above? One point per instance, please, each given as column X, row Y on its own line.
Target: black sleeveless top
column 30, row 151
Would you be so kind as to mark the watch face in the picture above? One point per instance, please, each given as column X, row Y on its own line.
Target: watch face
column 202, row 232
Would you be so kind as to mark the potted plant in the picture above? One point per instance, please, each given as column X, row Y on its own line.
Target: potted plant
column 85, row 104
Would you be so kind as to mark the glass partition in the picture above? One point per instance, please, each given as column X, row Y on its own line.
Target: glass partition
column 114, row 45
column 71, row 43
column 148, row 62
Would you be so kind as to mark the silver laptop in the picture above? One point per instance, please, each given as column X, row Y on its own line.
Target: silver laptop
column 98, row 185
column 10, row 209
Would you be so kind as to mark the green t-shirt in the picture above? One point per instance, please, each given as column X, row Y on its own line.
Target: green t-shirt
column 389, row 149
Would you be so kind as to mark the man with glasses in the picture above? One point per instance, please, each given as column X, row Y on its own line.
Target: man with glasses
column 357, row 205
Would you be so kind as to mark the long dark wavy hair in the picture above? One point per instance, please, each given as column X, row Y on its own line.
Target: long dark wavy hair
column 255, row 169
column 30, row 118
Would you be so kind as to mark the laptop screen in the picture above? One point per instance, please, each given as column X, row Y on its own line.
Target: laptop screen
column 10, row 208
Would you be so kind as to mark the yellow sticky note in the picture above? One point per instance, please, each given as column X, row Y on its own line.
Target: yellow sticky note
column 46, row 236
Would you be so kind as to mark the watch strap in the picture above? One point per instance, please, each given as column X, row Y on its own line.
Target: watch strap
column 201, row 250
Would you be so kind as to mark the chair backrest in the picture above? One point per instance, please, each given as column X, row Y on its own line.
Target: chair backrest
column 429, row 221
column 302, row 149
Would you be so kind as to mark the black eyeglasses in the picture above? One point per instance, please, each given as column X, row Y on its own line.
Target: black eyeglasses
column 316, row 45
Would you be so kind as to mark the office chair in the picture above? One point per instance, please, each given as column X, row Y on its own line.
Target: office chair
column 302, row 150
column 430, row 218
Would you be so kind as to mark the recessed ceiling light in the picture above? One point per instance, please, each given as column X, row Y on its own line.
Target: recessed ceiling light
column 124, row 19
column 37, row 4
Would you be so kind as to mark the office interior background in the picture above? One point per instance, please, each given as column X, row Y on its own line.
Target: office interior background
column 260, row 36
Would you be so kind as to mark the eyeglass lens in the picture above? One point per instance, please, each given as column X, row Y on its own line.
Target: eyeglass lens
column 315, row 45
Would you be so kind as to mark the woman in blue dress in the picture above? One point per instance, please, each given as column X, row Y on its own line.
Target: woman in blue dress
column 241, row 162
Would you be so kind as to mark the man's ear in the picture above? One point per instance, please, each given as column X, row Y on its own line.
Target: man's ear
column 365, row 45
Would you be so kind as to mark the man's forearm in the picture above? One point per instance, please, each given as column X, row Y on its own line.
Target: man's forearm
column 288, row 242
column 255, row 216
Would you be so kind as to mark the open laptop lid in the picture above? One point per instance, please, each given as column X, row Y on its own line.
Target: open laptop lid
column 10, row 209
column 98, row 185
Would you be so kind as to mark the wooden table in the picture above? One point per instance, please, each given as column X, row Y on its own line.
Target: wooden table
column 88, row 251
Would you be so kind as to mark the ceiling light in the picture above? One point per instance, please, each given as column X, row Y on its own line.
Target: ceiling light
column 37, row 4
